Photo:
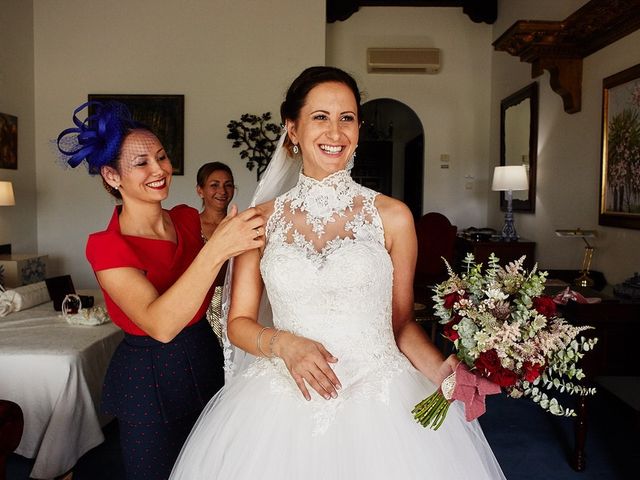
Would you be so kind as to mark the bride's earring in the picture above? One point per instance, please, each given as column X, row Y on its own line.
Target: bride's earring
column 296, row 150
column 351, row 161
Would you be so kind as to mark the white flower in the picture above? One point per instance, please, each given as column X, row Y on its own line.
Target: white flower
column 320, row 201
column 496, row 294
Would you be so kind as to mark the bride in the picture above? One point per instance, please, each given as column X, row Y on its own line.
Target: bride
column 326, row 390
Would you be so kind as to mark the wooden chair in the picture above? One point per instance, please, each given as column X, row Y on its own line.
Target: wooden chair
column 11, row 425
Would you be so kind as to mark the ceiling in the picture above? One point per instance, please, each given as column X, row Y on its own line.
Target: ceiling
column 477, row 10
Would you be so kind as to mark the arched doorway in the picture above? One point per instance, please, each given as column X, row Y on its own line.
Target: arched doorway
column 390, row 155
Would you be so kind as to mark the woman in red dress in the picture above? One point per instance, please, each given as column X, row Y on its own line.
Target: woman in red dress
column 156, row 276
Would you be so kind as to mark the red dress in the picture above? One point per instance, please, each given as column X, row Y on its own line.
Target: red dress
column 156, row 390
column 162, row 261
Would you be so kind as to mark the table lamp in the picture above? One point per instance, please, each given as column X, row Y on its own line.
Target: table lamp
column 584, row 280
column 507, row 179
column 6, row 194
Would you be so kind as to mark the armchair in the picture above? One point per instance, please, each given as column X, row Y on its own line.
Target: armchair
column 436, row 240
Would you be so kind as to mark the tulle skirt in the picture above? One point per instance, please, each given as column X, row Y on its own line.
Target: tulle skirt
column 252, row 430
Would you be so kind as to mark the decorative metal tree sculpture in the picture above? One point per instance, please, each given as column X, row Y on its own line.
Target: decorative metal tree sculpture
column 257, row 138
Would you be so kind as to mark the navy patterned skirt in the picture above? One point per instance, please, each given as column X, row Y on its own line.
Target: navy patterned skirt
column 149, row 381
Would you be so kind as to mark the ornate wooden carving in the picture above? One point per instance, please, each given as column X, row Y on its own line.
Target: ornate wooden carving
column 559, row 47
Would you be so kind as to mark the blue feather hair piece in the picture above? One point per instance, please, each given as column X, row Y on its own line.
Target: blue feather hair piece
column 98, row 138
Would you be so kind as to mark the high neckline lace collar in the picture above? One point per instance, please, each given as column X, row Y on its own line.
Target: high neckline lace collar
column 334, row 180
column 322, row 200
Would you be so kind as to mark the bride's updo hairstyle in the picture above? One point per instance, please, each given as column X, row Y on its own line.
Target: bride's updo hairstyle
column 97, row 140
column 306, row 81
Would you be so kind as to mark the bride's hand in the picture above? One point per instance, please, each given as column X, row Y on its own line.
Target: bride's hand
column 308, row 361
column 447, row 367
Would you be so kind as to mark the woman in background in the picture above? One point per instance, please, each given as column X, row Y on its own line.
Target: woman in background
column 216, row 189
column 156, row 277
column 215, row 186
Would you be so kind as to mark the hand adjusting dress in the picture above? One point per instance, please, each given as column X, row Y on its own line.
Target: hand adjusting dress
column 329, row 278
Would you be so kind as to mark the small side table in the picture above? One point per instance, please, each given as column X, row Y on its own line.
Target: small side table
column 505, row 251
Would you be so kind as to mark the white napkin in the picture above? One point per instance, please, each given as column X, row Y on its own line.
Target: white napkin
column 21, row 298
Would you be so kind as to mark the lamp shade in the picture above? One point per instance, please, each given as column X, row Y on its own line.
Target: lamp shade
column 6, row 194
column 510, row 177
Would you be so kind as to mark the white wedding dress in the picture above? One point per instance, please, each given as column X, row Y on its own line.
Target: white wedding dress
column 329, row 278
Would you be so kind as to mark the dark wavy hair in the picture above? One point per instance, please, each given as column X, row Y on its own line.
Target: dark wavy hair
column 305, row 82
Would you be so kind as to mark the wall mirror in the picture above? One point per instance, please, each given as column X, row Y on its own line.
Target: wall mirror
column 519, row 142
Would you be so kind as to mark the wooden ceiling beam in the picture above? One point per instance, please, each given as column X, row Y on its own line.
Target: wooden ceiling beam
column 478, row 11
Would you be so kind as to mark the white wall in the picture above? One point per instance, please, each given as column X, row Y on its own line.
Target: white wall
column 453, row 105
column 18, row 223
column 230, row 57
column 227, row 57
column 569, row 150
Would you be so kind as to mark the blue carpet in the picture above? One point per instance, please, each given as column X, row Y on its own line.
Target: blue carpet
column 529, row 444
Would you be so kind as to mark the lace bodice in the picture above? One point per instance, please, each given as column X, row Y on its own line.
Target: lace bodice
column 329, row 278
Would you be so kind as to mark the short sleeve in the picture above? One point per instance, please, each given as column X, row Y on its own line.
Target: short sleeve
column 109, row 249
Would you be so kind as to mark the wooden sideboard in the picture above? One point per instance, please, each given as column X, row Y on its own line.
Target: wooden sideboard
column 505, row 251
column 616, row 323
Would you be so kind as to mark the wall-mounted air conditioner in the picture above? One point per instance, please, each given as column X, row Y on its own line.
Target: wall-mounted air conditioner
column 403, row 60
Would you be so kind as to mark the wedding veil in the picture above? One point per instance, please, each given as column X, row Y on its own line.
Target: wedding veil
column 280, row 176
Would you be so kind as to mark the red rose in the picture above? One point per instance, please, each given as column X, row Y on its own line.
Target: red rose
column 489, row 365
column 531, row 371
column 488, row 362
column 545, row 306
column 450, row 299
column 504, row 377
column 448, row 330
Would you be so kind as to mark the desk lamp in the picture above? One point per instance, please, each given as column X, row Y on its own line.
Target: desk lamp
column 584, row 280
column 507, row 179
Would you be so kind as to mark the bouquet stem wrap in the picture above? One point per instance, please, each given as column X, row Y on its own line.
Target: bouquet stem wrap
column 463, row 385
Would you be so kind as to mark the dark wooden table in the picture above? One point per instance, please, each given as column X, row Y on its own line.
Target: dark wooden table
column 616, row 324
column 505, row 251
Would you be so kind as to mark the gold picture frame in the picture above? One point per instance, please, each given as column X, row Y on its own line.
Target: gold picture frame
column 620, row 164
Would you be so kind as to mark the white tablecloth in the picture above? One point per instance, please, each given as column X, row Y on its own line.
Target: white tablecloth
column 54, row 371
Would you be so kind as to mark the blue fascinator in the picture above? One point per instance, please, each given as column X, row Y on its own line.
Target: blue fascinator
column 98, row 138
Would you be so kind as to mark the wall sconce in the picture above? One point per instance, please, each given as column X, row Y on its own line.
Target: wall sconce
column 7, row 198
column 507, row 179
column 584, row 280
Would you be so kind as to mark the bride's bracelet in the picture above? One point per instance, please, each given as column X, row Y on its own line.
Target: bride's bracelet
column 259, row 341
column 272, row 341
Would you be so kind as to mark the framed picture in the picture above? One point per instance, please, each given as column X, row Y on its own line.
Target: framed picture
column 164, row 114
column 8, row 141
column 620, row 169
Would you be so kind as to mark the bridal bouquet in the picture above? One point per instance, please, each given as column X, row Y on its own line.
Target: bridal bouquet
column 508, row 336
